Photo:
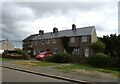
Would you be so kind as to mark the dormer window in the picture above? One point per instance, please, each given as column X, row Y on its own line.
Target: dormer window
column 72, row 39
column 84, row 38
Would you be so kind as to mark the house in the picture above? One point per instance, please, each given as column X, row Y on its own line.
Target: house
column 6, row 45
column 80, row 40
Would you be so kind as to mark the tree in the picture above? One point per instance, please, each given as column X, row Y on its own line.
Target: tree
column 98, row 47
column 112, row 43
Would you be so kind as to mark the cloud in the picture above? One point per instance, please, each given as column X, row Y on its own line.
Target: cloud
column 13, row 18
column 21, row 19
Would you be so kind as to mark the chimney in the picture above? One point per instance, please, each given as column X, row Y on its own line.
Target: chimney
column 55, row 30
column 41, row 32
column 73, row 27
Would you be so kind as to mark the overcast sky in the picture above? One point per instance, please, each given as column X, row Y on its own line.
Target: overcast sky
column 21, row 19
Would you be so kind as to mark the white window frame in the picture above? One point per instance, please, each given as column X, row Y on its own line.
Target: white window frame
column 54, row 41
column 84, row 38
column 75, row 51
column 55, row 50
column 86, row 52
column 72, row 39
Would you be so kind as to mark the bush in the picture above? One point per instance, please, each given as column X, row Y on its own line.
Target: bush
column 17, row 53
column 98, row 59
column 5, row 52
column 61, row 58
column 113, row 62
column 98, row 47
column 49, row 58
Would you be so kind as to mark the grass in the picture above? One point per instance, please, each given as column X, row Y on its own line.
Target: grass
column 37, row 63
column 69, row 67
column 4, row 59
column 73, row 67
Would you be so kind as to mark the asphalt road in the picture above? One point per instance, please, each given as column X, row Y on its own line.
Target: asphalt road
column 9, row 75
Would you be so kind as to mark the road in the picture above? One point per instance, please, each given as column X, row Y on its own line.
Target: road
column 9, row 75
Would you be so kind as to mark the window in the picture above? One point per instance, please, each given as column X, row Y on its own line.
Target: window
column 34, row 53
column 72, row 39
column 84, row 39
column 42, row 41
column 35, row 42
column 53, row 40
column 86, row 52
column 47, row 41
column 55, row 50
column 41, row 50
column 75, row 51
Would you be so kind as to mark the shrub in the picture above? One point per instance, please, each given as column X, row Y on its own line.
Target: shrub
column 98, row 47
column 18, row 53
column 5, row 52
column 98, row 59
column 61, row 58
column 113, row 62
column 75, row 59
column 49, row 58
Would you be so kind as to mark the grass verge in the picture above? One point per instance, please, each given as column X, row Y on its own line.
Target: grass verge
column 37, row 63
column 74, row 67
column 4, row 59
column 70, row 67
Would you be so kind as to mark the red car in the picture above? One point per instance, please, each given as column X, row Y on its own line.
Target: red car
column 41, row 56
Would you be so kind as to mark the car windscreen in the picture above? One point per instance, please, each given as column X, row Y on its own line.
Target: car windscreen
column 43, row 53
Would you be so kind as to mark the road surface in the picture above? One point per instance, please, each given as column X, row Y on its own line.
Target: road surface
column 9, row 75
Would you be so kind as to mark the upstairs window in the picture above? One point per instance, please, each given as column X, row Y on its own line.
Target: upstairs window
column 84, row 38
column 72, row 39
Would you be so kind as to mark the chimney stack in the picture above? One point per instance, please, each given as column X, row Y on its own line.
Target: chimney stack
column 41, row 32
column 55, row 30
column 73, row 27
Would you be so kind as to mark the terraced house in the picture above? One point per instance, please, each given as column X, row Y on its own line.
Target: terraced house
column 78, row 39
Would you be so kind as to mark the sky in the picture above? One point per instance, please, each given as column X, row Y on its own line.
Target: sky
column 22, row 18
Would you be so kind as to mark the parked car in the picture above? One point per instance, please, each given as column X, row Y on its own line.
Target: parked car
column 41, row 56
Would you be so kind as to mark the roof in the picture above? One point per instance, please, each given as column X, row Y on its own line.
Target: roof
column 30, row 37
column 1, row 41
column 68, row 33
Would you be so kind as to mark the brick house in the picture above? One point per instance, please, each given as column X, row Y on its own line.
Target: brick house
column 80, row 40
